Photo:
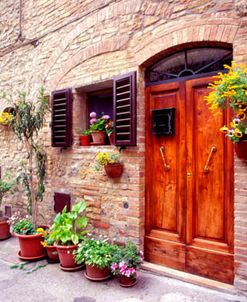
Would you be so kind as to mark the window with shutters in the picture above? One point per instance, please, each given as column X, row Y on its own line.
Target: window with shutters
column 62, row 118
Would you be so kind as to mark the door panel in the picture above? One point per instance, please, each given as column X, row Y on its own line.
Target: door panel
column 189, row 209
column 166, row 188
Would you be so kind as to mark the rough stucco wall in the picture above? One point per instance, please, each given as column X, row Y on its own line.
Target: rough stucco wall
column 84, row 42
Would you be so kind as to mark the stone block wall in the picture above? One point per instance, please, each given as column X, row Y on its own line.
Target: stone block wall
column 80, row 43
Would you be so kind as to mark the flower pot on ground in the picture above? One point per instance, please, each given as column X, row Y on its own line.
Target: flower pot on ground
column 4, row 228
column 29, row 240
column 111, row 164
column 51, row 250
column 85, row 138
column 68, row 230
column 98, row 128
column 97, row 255
column 125, row 261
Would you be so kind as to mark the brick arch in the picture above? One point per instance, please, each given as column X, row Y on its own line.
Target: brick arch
column 184, row 36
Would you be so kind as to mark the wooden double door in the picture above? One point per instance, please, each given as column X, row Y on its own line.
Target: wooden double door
column 189, row 184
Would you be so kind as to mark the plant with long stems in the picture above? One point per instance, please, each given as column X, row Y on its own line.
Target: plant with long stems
column 27, row 120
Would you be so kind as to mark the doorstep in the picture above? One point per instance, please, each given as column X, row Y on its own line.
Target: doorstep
column 186, row 277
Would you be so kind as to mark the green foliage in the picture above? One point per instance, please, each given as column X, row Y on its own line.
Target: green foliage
column 94, row 252
column 64, row 228
column 86, row 132
column 24, row 227
column 6, row 184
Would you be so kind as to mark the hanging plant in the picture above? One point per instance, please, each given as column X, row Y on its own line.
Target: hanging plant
column 230, row 89
column 27, row 120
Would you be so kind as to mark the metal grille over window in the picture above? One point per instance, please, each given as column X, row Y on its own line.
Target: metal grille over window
column 190, row 62
column 125, row 109
column 62, row 118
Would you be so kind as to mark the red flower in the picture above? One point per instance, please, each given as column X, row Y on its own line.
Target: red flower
column 24, row 228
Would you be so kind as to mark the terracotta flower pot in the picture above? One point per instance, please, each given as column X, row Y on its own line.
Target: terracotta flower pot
column 97, row 274
column 99, row 137
column 85, row 140
column 114, row 170
column 4, row 228
column 127, row 281
column 241, row 149
column 111, row 139
column 31, row 247
column 66, row 257
column 52, row 253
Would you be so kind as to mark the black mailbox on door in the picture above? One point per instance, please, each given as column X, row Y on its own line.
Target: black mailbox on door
column 163, row 121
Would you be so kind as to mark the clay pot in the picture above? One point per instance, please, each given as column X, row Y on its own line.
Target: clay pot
column 66, row 257
column 114, row 170
column 85, row 140
column 4, row 228
column 241, row 149
column 98, row 137
column 111, row 139
column 97, row 274
column 127, row 281
column 31, row 247
column 52, row 254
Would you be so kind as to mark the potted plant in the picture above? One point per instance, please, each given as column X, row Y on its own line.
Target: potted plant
column 111, row 164
column 67, row 231
column 109, row 131
column 85, row 138
column 125, row 260
column 97, row 128
column 230, row 89
column 6, row 184
column 29, row 239
column 28, row 117
column 51, row 249
column 97, row 255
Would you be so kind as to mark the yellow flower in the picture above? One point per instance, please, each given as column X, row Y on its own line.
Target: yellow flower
column 224, row 129
column 238, row 133
column 5, row 118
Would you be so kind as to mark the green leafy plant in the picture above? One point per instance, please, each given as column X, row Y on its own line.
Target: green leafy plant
column 24, row 227
column 230, row 89
column 6, row 184
column 94, row 252
column 64, row 229
column 27, row 120
column 86, row 132
column 125, row 260
column 48, row 241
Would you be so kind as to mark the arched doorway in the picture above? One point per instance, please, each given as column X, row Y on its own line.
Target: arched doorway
column 189, row 167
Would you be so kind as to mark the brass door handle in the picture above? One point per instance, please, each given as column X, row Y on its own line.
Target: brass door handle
column 163, row 156
column 212, row 151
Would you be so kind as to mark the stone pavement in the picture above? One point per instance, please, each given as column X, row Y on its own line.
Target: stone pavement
column 39, row 282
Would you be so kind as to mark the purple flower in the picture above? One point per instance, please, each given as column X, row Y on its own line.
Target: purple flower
column 105, row 117
column 114, row 266
column 93, row 120
column 93, row 114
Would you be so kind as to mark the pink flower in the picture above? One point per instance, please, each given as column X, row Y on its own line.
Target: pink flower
column 105, row 117
column 93, row 114
column 142, row 255
column 93, row 120
column 122, row 266
column 114, row 266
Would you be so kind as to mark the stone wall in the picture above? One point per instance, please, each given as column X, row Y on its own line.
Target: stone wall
column 78, row 43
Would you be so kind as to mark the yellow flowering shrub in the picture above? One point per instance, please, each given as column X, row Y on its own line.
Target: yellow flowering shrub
column 105, row 158
column 231, row 89
column 5, row 118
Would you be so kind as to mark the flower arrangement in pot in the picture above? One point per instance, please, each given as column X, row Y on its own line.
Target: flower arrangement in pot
column 6, row 184
column 68, row 230
column 97, row 255
column 230, row 90
column 85, row 138
column 27, row 120
column 51, row 249
column 29, row 239
column 111, row 164
column 125, row 260
column 98, row 127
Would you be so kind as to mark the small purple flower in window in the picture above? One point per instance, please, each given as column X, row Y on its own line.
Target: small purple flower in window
column 93, row 120
column 93, row 114
column 105, row 117
column 231, row 132
column 114, row 266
